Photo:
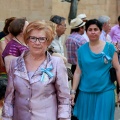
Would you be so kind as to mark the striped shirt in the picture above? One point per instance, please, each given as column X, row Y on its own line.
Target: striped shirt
column 73, row 42
column 13, row 48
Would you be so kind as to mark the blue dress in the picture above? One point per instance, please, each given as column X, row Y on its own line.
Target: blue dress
column 96, row 99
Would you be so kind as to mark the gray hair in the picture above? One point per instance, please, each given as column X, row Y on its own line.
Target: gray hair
column 57, row 19
column 103, row 19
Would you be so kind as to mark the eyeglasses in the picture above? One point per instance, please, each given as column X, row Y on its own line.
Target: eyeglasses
column 40, row 39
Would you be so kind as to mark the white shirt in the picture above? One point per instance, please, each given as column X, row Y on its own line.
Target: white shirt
column 85, row 36
column 57, row 44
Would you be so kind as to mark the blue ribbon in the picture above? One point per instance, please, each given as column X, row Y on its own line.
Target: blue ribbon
column 47, row 71
column 108, row 58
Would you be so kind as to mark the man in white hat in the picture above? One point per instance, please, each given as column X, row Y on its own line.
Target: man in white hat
column 84, row 18
column 73, row 42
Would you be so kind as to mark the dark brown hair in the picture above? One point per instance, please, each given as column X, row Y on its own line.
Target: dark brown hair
column 57, row 19
column 7, row 23
column 16, row 26
column 93, row 22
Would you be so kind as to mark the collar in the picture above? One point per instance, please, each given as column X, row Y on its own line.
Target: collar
column 20, row 68
column 104, row 32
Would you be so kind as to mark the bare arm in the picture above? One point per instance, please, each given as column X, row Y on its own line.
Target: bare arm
column 116, row 65
column 7, row 61
column 76, row 80
column 2, row 45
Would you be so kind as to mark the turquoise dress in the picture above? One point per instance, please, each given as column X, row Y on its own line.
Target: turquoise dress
column 96, row 99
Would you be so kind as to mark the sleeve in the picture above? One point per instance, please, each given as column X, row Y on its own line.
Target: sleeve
column 82, row 41
column 63, row 91
column 7, row 111
column 11, row 49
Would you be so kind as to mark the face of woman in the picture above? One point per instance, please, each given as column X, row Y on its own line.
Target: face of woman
column 37, row 42
column 93, row 32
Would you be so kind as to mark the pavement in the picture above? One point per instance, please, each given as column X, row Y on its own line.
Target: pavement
column 117, row 113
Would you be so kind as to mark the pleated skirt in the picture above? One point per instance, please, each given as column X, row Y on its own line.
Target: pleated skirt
column 95, row 106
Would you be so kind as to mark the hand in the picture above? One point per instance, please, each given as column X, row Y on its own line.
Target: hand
column 72, row 99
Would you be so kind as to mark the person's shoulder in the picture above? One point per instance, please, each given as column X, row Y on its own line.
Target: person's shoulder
column 83, row 48
column 109, row 43
column 114, row 27
column 84, row 45
column 10, row 44
column 56, row 59
column 111, row 46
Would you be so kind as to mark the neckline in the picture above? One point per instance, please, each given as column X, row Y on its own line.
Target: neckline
column 99, row 52
column 19, row 42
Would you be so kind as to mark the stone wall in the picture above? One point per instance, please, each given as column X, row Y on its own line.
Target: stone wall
column 43, row 9
column 95, row 8
column 31, row 9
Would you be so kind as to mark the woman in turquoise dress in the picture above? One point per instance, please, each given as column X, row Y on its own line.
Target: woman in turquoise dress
column 96, row 99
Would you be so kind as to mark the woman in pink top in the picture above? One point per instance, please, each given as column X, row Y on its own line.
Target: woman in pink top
column 3, row 42
column 17, row 45
column 38, row 82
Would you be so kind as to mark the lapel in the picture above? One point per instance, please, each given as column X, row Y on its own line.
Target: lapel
column 20, row 68
column 46, row 64
column 21, row 71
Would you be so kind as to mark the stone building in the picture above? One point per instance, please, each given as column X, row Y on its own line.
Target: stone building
column 43, row 9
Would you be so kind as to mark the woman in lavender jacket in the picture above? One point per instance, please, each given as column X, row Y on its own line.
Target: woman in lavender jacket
column 38, row 82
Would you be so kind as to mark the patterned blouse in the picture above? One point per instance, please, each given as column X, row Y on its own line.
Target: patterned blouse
column 13, row 48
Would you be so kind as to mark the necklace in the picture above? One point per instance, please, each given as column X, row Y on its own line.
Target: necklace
column 19, row 41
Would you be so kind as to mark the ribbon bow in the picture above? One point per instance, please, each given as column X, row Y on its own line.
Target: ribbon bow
column 47, row 71
column 106, row 57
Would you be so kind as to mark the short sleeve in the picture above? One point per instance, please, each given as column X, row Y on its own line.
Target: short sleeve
column 112, row 50
column 11, row 49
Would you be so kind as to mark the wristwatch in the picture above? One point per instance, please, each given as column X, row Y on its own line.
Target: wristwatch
column 72, row 91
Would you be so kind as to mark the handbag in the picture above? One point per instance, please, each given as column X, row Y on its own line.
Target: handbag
column 70, row 75
column 112, row 71
column 113, row 75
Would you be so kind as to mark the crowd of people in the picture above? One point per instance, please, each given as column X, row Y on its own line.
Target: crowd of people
column 33, row 69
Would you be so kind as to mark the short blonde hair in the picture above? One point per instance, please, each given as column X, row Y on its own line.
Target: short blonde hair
column 39, row 25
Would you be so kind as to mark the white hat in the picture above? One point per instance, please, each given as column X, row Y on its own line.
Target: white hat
column 76, row 23
column 82, row 16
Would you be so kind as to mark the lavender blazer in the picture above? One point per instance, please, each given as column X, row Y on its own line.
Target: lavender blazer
column 41, row 98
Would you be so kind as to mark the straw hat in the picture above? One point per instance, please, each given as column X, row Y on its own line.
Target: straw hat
column 82, row 16
column 76, row 23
